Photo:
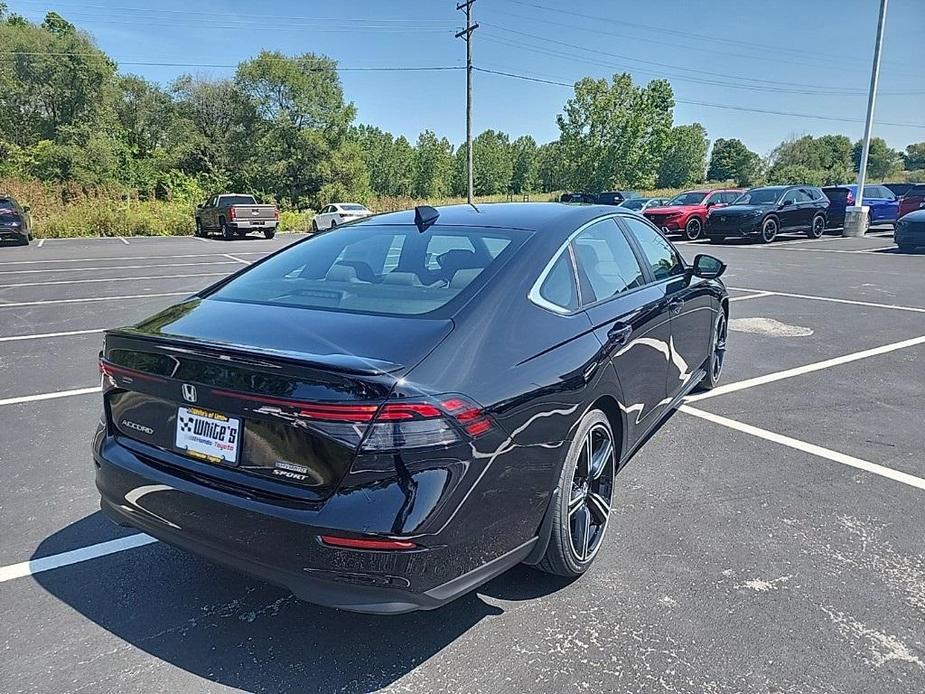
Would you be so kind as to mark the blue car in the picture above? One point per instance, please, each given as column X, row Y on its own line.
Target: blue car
column 884, row 205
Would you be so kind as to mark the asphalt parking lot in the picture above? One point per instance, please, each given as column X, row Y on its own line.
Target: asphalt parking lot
column 768, row 539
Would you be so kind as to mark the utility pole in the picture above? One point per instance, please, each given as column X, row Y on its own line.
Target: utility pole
column 856, row 219
column 467, row 34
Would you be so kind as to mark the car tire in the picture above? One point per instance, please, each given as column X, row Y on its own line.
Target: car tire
column 199, row 231
column 818, row 227
column 583, row 499
column 314, row 227
column 769, row 229
column 333, row 224
column 227, row 231
column 717, row 239
column 717, row 358
column 269, row 233
column 693, row 229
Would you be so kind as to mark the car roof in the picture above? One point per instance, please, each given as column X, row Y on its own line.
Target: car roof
column 528, row 216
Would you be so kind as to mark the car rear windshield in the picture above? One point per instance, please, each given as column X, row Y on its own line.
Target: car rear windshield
column 688, row 199
column 352, row 206
column 634, row 203
column 237, row 200
column 8, row 217
column 381, row 269
column 758, row 196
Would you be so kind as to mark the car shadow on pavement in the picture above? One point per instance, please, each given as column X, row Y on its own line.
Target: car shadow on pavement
column 231, row 629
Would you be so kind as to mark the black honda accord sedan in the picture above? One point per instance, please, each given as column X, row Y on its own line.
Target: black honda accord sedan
column 384, row 416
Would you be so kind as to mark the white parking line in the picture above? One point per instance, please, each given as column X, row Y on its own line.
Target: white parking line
column 42, row 336
column 112, row 279
column 112, row 267
column 240, row 260
column 75, row 556
column 808, row 368
column 49, row 396
column 41, row 243
column 127, row 257
column 810, row 448
column 92, row 298
column 768, row 292
column 123, row 240
column 756, row 295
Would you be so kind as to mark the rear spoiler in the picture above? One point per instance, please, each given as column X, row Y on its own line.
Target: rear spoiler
column 340, row 363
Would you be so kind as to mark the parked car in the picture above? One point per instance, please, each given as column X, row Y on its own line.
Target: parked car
column 344, row 417
column 883, row 204
column 640, row 204
column 339, row 213
column 838, row 201
column 912, row 200
column 687, row 211
column 615, row 197
column 763, row 213
column 15, row 221
column 586, row 198
column 235, row 214
column 909, row 232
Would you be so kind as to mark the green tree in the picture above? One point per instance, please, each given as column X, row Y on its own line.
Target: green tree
column 433, row 166
column 914, row 158
column 796, row 173
column 52, row 76
column 389, row 160
column 613, row 133
column 685, row 160
column 732, row 160
column 828, row 157
column 493, row 163
column 882, row 161
column 550, row 169
column 525, row 159
column 304, row 153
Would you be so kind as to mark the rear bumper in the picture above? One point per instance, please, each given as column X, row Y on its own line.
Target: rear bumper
column 278, row 541
column 253, row 225
column 10, row 234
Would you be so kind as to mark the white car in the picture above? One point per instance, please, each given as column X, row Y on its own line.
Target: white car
column 338, row 213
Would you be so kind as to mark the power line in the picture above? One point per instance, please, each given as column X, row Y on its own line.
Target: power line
column 729, row 107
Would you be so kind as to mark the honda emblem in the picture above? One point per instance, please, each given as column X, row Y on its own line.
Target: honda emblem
column 189, row 392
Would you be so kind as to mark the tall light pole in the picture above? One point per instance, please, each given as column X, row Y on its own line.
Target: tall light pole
column 467, row 34
column 856, row 223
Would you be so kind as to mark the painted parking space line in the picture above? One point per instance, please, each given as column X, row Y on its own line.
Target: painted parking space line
column 808, row 368
column 112, row 267
column 49, row 396
column 97, row 259
column 75, row 556
column 235, row 258
column 41, row 243
column 112, row 279
column 126, row 297
column 853, row 302
column 123, row 240
column 44, row 336
column 812, row 449
column 756, row 295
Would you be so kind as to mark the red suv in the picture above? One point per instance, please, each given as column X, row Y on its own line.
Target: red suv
column 912, row 200
column 687, row 212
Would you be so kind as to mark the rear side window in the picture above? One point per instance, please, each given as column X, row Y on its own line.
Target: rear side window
column 662, row 258
column 227, row 200
column 393, row 270
column 559, row 286
column 606, row 261
column 8, row 216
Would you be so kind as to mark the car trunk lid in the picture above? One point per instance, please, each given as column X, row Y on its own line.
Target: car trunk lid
column 256, row 395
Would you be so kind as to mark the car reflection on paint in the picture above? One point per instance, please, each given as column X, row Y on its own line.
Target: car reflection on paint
column 396, row 411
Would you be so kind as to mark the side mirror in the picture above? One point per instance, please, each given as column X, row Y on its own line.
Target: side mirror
column 707, row 267
column 710, row 204
column 25, row 208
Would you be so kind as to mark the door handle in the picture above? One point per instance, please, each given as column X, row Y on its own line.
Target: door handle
column 620, row 334
column 675, row 306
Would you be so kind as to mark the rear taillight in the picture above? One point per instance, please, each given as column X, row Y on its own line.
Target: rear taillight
column 366, row 543
column 275, row 213
column 408, row 424
column 232, row 213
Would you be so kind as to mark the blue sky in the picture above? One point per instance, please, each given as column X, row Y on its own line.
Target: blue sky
column 804, row 57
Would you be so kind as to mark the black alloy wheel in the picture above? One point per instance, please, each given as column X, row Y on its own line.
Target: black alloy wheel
column 818, row 228
column 585, row 496
column 693, row 229
column 769, row 230
column 717, row 359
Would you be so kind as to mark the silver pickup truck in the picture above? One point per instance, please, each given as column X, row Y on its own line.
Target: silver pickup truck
column 234, row 214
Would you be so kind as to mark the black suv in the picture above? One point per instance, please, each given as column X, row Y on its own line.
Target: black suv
column 762, row 213
column 15, row 222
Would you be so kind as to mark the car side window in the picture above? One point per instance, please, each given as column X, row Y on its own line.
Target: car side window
column 606, row 262
column 790, row 198
column 559, row 287
column 662, row 258
column 803, row 195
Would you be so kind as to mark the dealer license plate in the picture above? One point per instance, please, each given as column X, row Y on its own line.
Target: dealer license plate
column 208, row 435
